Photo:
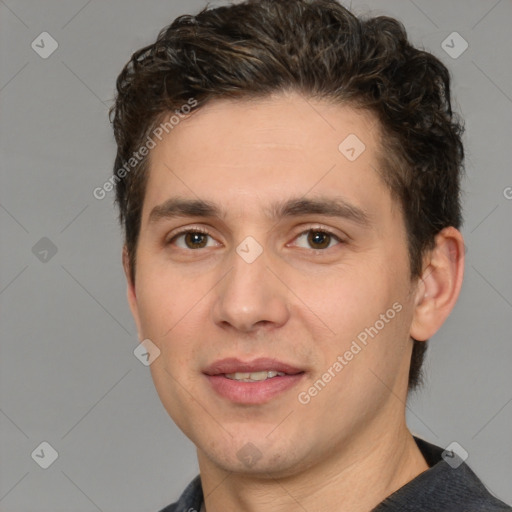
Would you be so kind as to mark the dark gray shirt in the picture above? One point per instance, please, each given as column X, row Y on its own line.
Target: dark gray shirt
column 441, row 488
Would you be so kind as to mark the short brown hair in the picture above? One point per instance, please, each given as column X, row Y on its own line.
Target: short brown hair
column 320, row 49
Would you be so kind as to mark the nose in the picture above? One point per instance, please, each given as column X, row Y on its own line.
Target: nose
column 250, row 297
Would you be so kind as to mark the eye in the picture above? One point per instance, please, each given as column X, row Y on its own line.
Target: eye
column 192, row 239
column 317, row 239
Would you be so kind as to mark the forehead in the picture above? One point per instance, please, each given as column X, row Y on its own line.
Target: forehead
column 244, row 151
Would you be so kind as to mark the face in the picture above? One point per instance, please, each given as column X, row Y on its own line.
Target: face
column 268, row 244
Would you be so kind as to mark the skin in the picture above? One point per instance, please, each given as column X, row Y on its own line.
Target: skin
column 349, row 447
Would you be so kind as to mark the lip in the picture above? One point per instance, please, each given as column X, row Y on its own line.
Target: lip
column 233, row 365
column 251, row 393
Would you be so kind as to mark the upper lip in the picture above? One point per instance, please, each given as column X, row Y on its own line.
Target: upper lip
column 234, row 365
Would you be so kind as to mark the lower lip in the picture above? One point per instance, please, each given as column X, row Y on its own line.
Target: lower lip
column 258, row 392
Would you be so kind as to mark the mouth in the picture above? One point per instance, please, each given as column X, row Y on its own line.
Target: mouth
column 254, row 376
column 253, row 382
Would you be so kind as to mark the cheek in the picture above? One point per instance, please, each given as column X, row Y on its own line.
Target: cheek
column 163, row 296
column 174, row 312
column 366, row 311
column 348, row 299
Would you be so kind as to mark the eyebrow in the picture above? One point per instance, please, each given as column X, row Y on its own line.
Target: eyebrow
column 328, row 206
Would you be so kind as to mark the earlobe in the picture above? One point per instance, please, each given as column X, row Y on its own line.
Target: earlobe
column 439, row 285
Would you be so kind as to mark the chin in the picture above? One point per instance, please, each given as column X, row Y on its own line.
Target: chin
column 265, row 468
column 257, row 456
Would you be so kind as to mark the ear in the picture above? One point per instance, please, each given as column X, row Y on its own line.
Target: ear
column 130, row 291
column 439, row 285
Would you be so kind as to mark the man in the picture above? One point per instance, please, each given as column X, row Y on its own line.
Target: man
column 288, row 182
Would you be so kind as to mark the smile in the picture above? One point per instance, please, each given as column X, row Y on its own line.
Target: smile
column 254, row 376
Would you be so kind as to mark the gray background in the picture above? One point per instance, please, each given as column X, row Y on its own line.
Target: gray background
column 68, row 373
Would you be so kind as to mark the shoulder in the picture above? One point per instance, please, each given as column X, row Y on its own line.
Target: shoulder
column 449, row 485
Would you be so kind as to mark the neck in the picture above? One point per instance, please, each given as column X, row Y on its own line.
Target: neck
column 356, row 477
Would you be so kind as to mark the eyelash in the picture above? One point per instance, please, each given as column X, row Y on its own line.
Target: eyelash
column 306, row 231
column 186, row 232
column 323, row 232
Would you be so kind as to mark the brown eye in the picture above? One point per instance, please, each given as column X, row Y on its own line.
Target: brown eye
column 192, row 239
column 317, row 239
column 195, row 240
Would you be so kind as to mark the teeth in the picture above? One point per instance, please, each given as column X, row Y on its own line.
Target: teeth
column 253, row 376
